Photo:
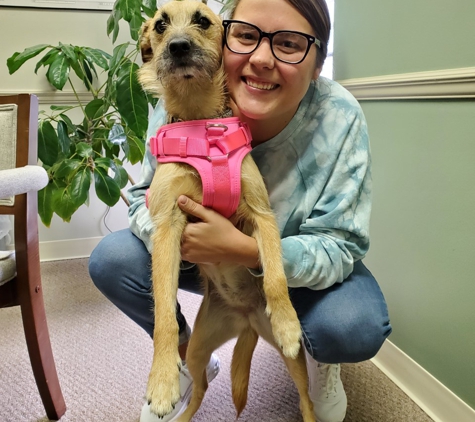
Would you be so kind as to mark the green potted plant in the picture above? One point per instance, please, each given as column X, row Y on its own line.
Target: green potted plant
column 113, row 121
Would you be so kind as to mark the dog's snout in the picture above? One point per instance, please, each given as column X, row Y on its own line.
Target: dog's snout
column 179, row 47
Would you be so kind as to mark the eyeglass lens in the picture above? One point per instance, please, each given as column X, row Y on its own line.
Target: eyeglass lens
column 286, row 46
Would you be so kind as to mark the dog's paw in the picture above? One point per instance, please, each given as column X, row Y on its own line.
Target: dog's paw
column 163, row 388
column 285, row 328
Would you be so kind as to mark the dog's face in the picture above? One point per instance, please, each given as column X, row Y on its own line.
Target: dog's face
column 182, row 41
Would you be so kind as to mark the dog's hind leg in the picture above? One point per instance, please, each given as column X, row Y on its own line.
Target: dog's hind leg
column 298, row 371
column 241, row 367
column 256, row 209
column 213, row 327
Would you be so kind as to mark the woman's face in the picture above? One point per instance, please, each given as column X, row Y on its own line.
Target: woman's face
column 266, row 92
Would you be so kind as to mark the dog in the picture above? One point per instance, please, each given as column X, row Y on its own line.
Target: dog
column 182, row 54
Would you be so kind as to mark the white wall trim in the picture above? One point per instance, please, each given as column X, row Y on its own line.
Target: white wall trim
column 438, row 84
column 67, row 249
column 427, row 392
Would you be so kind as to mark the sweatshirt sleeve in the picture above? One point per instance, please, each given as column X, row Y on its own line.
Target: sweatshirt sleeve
column 139, row 217
column 336, row 233
column 140, row 222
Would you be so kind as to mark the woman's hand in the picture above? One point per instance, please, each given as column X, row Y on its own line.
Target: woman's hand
column 214, row 238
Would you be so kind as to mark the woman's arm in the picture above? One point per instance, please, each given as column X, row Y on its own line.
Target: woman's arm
column 215, row 239
column 336, row 233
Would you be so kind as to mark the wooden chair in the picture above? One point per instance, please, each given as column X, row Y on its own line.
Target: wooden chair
column 20, row 280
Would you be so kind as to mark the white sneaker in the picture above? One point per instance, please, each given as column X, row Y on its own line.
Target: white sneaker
column 186, row 384
column 326, row 391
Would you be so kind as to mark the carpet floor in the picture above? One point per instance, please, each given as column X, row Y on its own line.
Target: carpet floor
column 103, row 360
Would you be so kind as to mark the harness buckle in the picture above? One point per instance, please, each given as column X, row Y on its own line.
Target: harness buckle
column 215, row 131
column 220, row 125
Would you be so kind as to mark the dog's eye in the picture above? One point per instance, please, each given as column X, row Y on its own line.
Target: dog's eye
column 204, row 22
column 160, row 26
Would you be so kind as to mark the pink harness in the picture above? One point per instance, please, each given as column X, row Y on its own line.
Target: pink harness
column 215, row 148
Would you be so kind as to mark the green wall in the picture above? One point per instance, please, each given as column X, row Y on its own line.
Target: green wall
column 384, row 37
column 423, row 222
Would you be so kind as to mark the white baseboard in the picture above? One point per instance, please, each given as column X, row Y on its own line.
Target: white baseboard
column 427, row 392
column 67, row 249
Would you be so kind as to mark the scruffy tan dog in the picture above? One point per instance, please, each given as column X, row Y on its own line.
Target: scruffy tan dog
column 182, row 54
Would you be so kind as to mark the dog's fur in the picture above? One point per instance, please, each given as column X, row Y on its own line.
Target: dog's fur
column 182, row 54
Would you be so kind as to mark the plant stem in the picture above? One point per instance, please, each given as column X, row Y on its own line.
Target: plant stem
column 124, row 198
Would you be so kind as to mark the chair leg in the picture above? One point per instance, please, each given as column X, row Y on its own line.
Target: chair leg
column 41, row 354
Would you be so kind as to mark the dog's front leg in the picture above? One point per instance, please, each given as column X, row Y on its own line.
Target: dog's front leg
column 283, row 318
column 163, row 390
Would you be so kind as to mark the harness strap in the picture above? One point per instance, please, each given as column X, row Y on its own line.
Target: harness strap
column 215, row 148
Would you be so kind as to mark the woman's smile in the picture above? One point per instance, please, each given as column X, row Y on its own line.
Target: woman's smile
column 259, row 84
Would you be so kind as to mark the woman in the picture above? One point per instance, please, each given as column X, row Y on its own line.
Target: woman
column 311, row 145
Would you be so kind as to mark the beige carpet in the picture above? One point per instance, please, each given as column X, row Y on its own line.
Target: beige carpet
column 103, row 360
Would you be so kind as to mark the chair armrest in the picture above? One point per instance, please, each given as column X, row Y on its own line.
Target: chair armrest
column 21, row 180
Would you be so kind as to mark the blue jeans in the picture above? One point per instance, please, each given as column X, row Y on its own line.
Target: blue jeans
column 347, row 322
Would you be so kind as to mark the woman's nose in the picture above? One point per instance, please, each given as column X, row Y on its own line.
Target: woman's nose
column 263, row 56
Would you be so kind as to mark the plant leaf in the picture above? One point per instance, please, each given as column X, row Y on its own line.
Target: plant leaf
column 58, row 72
column 134, row 149
column 45, row 209
column 88, row 78
column 63, row 137
column 73, row 59
column 127, row 8
column 66, row 169
column 104, row 163
column 120, row 176
column 135, row 24
column 107, row 189
column 48, row 143
column 113, row 23
column 117, row 56
column 80, row 184
column 131, row 100
column 84, row 150
column 47, row 59
column 62, row 201
column 18, row 59
column 97, row 56
column 149, row 7
column 94, row 109
column 69, row 123
column 58, row 108
column 111, row 150
column 99, row 136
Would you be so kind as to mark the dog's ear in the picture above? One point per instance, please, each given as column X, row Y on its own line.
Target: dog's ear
column 145, row 43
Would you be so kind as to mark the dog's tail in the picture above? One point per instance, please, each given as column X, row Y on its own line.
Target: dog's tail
column 241, row 367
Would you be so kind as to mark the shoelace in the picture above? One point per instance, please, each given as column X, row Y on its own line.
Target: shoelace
column 328, row 373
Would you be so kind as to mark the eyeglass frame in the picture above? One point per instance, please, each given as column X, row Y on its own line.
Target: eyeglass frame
column 270, row 35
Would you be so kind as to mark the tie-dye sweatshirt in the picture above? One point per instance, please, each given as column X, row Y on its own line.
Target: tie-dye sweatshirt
column 318, row 175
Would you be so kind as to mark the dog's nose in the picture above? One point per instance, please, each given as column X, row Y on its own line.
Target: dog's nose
column 179, row 47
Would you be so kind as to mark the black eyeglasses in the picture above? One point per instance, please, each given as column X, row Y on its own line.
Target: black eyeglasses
column 287, row 46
